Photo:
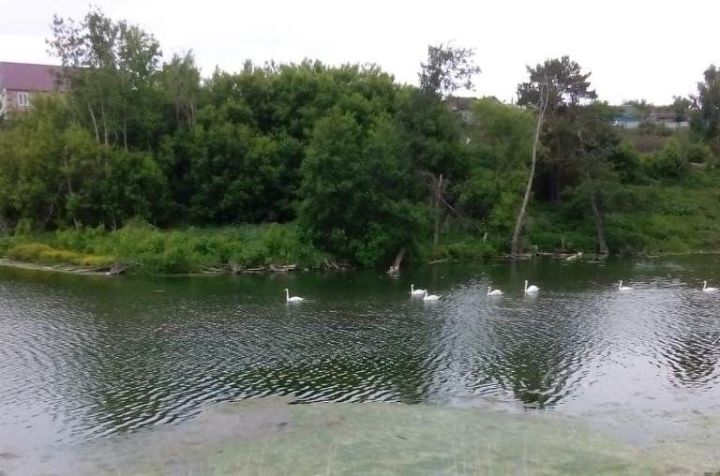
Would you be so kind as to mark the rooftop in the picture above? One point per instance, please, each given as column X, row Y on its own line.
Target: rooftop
column 28, row 77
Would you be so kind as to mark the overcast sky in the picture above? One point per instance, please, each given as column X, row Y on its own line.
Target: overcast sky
column 634, row 48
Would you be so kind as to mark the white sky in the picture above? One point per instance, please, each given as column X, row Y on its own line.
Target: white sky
column 650, row 49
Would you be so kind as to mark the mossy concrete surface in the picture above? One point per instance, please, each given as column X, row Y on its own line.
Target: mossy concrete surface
column 269, row 436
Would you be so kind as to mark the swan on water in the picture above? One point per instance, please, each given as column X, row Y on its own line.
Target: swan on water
column 532, row 289
column 706, row 289
column 622, row 288
column 574, row 257
column 416, row 292
column 430, row 297
column 289, row 298
column 494, row 292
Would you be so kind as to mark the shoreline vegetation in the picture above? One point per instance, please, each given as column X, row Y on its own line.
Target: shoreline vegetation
column 146, row 167
column 142, row 249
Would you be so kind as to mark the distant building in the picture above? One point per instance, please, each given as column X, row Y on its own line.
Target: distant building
column 629, row 117
column 21, row 82
column 668, row 119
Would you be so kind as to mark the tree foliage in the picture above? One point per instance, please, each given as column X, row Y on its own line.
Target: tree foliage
column 706, row 117
column 110, row 68
column 448, row 69
column 358, row 165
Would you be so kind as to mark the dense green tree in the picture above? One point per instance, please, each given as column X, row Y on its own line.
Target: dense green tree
column 705, row 119
column 500, row 141
column 110, row 68
column 366, row 167
column 681, row 108
column 180, row 81
column 567, row 89
column 53, row 174
column 30, row 164
column 357, row 189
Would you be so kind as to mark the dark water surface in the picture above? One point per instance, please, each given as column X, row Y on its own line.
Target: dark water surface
column 85, row 357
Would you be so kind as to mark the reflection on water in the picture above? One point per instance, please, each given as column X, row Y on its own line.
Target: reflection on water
column 84, row 357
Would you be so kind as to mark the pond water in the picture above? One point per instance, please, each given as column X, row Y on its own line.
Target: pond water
column 87, row 359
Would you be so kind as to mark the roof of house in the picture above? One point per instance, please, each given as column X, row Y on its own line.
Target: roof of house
column 667, row 116
column 28, row 77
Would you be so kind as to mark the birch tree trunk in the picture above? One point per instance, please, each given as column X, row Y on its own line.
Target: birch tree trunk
column 602, row 244
column 515, row 245
column 104, row 121
column 438, row 211
column 95, row 124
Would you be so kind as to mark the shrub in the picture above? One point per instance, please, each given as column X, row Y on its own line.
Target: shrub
column 670, row 162
column 43, row 253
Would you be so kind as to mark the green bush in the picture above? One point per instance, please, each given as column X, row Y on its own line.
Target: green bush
column 670, row 162
column 43, row 253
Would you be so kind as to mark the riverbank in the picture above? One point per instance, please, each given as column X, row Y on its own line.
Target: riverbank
column 139, row 248
column 268, row 436
column 143, row 249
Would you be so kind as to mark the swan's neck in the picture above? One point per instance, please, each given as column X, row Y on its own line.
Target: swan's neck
column 287, row 294
column 526, row 283
column 412, row 288
column 620, row 285
column 704, row 285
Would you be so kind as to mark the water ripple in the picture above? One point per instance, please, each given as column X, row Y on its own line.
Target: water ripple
column 85, row 358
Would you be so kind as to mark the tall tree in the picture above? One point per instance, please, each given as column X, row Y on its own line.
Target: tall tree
column 180, row 79
column 448, row 69
column 501, row 139
column 706, row 104
column 357, row 189
column 568, row 88
column 599, row 143
column 681, row 108
column 542, row 105
column 110, row 67
column 557, row 88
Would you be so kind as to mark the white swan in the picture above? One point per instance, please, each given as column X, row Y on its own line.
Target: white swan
column 707, row 289
column 574, row 257
column 430, row 297
column 288, row 298
column 494, row 292
column 532, row 289
column 622, row 288
column 416, row 292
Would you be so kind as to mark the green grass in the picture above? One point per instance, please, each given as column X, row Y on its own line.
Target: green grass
column 43, row 253
column 145, row 249
column 654, row 218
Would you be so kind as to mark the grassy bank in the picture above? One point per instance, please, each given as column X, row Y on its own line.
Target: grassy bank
column 649, row 218
column 145, row 249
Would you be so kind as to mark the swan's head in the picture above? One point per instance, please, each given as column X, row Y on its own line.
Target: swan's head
column 287, row 290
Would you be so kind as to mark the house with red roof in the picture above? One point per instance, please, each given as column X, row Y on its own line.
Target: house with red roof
column 20, row 82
